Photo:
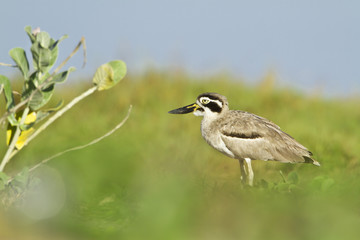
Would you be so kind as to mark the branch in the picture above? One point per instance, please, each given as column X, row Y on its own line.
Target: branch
column 82, row 42
column 56, row 116
column 7, row 65
column 81, row 146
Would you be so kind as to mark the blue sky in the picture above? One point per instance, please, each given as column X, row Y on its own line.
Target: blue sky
column 310, row 44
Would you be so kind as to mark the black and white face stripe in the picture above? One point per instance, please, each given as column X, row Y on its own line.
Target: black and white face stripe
column 211, row 102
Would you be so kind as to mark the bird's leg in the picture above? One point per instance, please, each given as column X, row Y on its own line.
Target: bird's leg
column 243, row 171
column 250, row 171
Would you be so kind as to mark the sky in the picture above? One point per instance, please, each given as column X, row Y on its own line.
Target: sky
column 309, row 44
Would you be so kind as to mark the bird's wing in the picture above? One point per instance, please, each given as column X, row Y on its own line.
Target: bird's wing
column 250, row 136
column 247, row 126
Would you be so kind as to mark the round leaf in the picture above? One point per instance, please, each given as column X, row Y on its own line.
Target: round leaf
column 19, row 57
column 44, row 39
column 29, row 33
column 62, row 77
column 109, row 74
column 5, row 83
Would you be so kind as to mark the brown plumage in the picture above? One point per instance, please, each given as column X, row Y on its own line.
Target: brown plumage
column 265, row 139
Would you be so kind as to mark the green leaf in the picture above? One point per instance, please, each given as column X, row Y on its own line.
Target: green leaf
column 44, row 77
column 293, row 178
column 42, row 114
column 43, row 38
column 54, row 52
column 29, row 86
column 3, row 180
column 44, row 50
column 103, row 77
column 41, row 57
column 4, row 177
column 55, row 43
column 22, row 178
column 293, row 187
column 62, row 77
column 5, row 82
column 45, row 59
column 282, row 187
column 109, row 74
column 25, row 127
column 322, row 183
column 19, row 57
column 36, row 51
column 29, row 121
column 327, row 184
column 41, row 98
column 32, row 84
column 264, row 184
column 119, row 68
column 29, row 33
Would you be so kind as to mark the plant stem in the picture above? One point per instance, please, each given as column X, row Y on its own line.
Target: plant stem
column 11, row 147
column 82, row 42
column 7, row 65
column 81, row 146
column 56, row 116
column 85, row 145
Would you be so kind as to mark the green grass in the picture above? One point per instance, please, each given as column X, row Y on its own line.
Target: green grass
column 156, row 178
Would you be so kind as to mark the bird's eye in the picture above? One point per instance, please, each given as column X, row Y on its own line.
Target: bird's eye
column 205, row 101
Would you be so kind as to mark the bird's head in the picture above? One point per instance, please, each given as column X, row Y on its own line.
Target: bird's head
column 207, row 105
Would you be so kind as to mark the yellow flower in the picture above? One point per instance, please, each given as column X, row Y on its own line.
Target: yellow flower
column 30, row 118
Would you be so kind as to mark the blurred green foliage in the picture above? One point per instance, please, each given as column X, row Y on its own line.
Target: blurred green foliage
column 156, row 178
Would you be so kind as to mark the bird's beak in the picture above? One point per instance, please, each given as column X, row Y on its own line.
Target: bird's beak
column 187, row 109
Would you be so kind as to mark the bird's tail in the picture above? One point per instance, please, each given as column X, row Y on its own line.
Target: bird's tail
column 310, row 160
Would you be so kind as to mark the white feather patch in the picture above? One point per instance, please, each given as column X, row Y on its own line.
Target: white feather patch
column 199, row 113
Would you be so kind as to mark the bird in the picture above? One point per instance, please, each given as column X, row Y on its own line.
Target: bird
column 244, row 136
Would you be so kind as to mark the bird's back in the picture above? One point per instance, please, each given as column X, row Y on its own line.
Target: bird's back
column 246, row 135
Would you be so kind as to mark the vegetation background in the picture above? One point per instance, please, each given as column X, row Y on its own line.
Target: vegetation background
column 156, row 178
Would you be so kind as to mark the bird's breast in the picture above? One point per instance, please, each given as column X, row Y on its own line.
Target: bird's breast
column 213, row 137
